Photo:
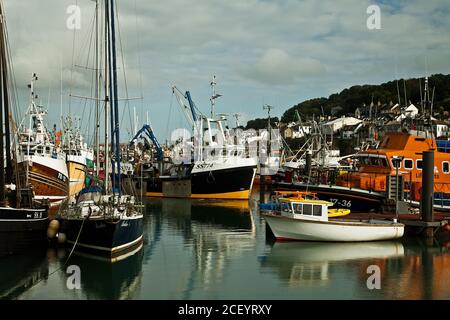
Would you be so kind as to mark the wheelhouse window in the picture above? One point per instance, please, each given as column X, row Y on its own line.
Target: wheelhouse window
column 445, row 167
column 378, row 161
column 297, row 208
column 307, row 209
column 419, row 164
column 317, row 210
column 408, row 163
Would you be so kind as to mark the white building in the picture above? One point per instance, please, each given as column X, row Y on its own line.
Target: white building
column 337, row 124
column 410, row 112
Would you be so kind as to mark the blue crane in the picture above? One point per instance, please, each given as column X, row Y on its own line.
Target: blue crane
column 147, row 130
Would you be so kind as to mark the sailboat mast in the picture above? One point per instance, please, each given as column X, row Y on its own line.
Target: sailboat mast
column 97, row 91
column 2, row 106
column 115, row 98
column 111, row 93
column 106, row 155
column 7, row 133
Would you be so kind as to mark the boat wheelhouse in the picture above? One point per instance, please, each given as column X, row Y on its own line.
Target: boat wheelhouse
column 400, row 153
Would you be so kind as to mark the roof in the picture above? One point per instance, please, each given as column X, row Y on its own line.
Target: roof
column 302, row 200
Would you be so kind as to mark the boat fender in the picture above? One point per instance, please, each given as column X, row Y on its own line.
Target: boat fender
column 53, row 228
column 62, row 238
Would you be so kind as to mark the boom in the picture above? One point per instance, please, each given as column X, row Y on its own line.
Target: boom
column 147, row 130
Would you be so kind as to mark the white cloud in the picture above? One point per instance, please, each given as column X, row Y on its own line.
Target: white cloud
column 276, row 67
column 280, row 51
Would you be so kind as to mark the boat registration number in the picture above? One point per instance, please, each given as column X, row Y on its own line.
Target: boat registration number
column 204, row 166
column 61, row 177
column 35, row 215
column 342, row 203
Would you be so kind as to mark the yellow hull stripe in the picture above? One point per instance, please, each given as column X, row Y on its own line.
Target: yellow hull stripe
column 239, row 195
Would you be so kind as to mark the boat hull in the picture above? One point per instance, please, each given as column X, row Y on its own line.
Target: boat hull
column 22, row 229
column 77, row 176
column 231, row 183
column 357, row 200
column 285, row 228
column 103, row 237
column 48, row 177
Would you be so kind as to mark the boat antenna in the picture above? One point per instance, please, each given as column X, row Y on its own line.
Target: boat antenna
column 404, row 90
column 269, row 127
column 214, row 95
column 237, row 116
column 268, row 108
column 421, row 96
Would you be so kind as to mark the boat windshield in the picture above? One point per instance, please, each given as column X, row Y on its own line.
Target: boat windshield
column 285, row 206
column 90, row 196
column 373, row 161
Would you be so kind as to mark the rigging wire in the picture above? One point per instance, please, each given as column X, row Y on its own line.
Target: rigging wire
column 168, row 119
column 127, row 104
column 138, row 45
column 72, row 63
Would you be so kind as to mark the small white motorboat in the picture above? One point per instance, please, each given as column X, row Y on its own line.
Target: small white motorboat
column 306, row 218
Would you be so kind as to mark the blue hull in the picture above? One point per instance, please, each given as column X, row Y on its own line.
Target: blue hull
column 104, row 237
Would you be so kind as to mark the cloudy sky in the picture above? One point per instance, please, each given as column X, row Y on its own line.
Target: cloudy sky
column 276, row 52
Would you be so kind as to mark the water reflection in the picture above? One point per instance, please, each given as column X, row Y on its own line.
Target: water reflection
column 101, row 279
column 18, row 273
column 310, row 263
column 214, row 233
column 422, row 274
column 218, row 250
column 409, row 269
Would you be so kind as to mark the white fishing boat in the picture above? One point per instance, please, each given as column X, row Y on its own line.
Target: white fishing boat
column 300, row 218
column 41, row 162
column 221, row 168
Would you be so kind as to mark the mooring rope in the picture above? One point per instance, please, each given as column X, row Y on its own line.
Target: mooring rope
column 68, row 258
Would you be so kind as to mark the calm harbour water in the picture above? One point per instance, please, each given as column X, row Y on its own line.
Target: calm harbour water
column 218, row 250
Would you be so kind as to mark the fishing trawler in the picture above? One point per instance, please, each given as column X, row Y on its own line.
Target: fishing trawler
column 40, row 161
column 105, row 221
column 222, row 169
column 23, row 223
column 79, row 156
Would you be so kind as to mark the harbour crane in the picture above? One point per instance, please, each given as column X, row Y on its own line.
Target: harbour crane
column 147, row 130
